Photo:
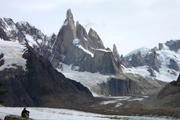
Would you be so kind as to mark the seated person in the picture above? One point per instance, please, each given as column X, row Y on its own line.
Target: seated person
column 25, row 113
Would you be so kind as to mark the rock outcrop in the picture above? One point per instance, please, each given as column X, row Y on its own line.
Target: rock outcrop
column 96, row 40
column 137, row 60
column 173, row 45
column 151, row 71
column 153, row 61
column 173, row 65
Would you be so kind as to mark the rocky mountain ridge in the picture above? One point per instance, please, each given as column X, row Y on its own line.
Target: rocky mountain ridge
column 84, row 51
column 37, row 84
column 159, row 63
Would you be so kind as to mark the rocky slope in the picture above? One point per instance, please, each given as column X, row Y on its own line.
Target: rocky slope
column 32, row 81
column 168, row 97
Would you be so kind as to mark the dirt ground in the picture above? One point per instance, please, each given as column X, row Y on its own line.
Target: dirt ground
column 134, row 107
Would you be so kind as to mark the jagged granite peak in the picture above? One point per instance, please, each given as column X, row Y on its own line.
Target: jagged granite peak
column 137, row 60
column 10, row 22
column 96, row 40
column 82, row 50
column 9, row 27
column 27, row 28
column 116, row 54
column 67, row 33
column 69, row 15
column 85, row 52
column 65, row 39
column 81, row 31
column 83, row 37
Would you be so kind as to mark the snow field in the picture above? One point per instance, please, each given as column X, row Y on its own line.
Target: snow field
column 86, row 78
column 118, row 99
column 65, row 114
column 13, row 52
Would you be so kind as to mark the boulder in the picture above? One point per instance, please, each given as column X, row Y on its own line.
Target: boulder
column 15, row 117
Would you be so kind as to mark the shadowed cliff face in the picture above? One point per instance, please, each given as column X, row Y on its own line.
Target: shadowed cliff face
column 128, row 84
column 41, row 85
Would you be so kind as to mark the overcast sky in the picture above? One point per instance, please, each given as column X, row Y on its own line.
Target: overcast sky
column 129, row 24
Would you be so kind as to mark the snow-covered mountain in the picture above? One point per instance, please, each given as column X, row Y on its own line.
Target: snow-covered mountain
column 158, row 63
column 84, row 52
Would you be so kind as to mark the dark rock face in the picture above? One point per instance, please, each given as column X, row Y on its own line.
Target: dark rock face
column 98, row 44
column 41, row 85
column 1, row 60
column 152, row 73
column 173, row 65
column 102, row 62
column 160, row 46
column 153, row 61
column 119, row 87
column 137, row 60
column 3, row 34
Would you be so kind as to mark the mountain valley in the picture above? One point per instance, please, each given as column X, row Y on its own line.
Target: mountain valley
column 74, row 69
